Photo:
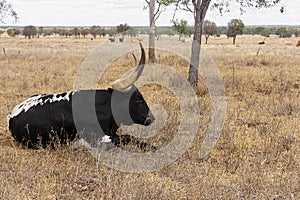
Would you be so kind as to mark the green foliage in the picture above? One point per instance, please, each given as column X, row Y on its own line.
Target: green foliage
column 1, row 31
column 161, row 3
column 7, row 11
column 223, row 5
column 48, row 32
column 265, row 33
column 235, row 27
column 165, row 2
column 260, row 30
column 12, row 32
column 182, row 28
column 283, row 32
column 45, row 31
column 40, row 30
column 84, row 32
column 122, row 28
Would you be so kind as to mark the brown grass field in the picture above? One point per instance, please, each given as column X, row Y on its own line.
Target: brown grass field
column 256, row 157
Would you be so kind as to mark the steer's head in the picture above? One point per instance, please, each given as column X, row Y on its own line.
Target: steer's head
column 128, row 104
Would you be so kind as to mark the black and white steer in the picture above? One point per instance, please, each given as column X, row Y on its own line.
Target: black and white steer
column 49, row 118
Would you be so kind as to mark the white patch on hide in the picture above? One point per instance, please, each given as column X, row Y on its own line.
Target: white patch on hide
column 38, row 100
column 106, row 139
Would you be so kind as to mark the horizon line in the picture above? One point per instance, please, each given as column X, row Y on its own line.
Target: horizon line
column 134, row 26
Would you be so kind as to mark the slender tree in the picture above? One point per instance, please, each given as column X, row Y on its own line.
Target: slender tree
column 182, row 28
column 122, row 29
column 199, row 9
column 151, row 4
column 154, row 14
column 210, row 29
column 235, row 27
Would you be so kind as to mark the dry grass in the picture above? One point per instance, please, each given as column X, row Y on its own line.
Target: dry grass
column 257, row 156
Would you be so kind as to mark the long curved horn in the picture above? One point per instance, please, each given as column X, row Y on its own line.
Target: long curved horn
column 124, row 84
column 135, row 60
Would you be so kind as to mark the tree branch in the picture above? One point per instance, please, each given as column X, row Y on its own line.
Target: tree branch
column 187, row 9
column 158, row 10
column 156, row 17
column 176, row 8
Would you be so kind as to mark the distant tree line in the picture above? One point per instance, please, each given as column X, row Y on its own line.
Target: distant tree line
column 95, row 31
column 235, row 27
column 266, row 31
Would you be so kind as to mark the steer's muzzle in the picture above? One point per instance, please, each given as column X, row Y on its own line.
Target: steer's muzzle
column 150, row 119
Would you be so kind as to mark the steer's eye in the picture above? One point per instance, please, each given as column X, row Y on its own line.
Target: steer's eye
column 139, row 99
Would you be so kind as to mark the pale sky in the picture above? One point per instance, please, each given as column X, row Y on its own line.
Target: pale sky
column 114, row 12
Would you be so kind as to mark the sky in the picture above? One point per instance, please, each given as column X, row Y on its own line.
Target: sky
column 132, row 12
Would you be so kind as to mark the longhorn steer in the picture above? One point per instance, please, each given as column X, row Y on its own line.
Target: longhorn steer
column 49, row 118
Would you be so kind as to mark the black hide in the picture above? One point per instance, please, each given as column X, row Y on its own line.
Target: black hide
column 50, row 119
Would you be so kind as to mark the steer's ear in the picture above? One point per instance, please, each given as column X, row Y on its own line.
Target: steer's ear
column 124, row 84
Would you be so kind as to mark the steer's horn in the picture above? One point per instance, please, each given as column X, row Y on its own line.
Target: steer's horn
column 135, row 60
column 124, row 84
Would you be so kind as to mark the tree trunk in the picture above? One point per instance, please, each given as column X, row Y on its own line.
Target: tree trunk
column 152, row 31
column 200, row 12
column 206, row 39
column 233, row 40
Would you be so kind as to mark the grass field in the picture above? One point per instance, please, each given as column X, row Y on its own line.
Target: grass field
column 256, row 157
